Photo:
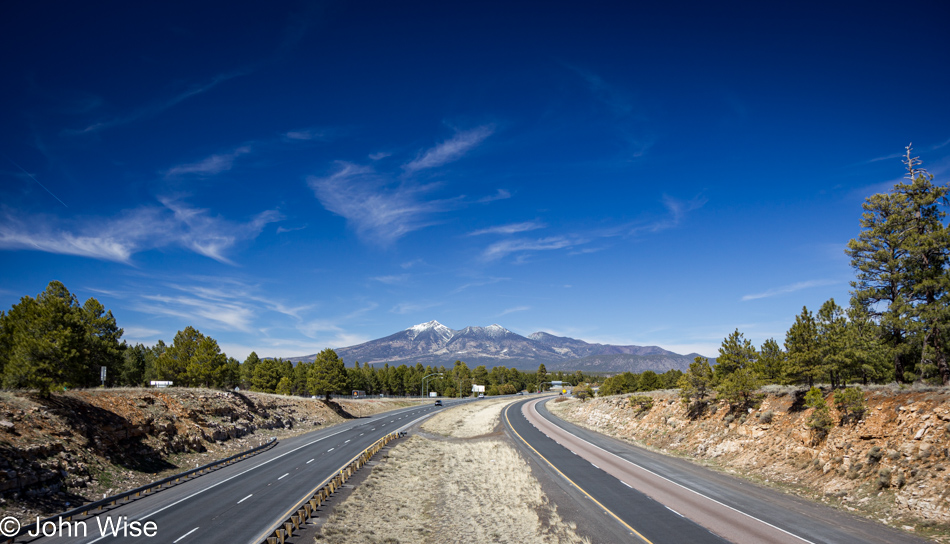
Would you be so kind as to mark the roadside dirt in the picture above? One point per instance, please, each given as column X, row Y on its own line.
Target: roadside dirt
column 457, row 481
column 891, row 465
column 80, row 446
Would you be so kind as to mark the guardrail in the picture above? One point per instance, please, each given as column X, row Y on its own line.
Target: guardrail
column 304, row 510
column 138, row 491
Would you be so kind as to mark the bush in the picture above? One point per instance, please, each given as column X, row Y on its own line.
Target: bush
column 884, row 478
column 729, row 418
column 875, row 455
column 820, row 419
column 850, row 404
column 766, row 417
column 642, row 403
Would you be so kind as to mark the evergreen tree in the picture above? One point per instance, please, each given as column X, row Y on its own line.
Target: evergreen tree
column 801, row 344
column 247, row 369
column 771, row 364
column 696, row 383
column 868, row 355
column 541, row 376
column 736, row 352
column 832, row 343
column 900, row 259
column 328, row 375
column 51, row 342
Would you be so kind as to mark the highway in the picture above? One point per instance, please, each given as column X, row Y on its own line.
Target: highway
column 660, row 499
column 238, row 503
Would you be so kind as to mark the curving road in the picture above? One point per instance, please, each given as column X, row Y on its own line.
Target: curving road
column 660, row 499
column 238, row 503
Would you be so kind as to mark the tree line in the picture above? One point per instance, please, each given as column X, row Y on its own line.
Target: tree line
column 896, row 327
column 51, row 342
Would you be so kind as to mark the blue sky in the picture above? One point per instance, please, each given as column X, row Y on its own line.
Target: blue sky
column 322, row 174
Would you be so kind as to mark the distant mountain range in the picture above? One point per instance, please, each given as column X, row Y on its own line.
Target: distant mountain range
column 434, row 344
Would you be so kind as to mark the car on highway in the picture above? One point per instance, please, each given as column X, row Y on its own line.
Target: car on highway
column 438, row 403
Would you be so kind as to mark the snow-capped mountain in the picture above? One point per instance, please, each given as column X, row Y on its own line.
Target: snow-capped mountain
column 433, row 343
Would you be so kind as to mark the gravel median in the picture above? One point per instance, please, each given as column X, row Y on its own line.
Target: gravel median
column 462, row 483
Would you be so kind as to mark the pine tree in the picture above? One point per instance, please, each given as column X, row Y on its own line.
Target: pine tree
column 801, row 344
column 771, row 365
column 900, row 259
column 832, row 342
column 328, row 375
column 736, row 352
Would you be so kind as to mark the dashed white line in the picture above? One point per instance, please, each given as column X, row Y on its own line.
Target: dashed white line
column 284, row 476
column 186, row 534
column 331, row 449
column 347, row 442
column 245, row 498
column 310, row 461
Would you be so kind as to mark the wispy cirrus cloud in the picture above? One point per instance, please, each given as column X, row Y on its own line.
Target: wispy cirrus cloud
column 785, row 289
column 384, row 205
column 381, row 211
column 450, row 150
column 584, row 242
column 511, row 228
column 413, row 307
column 231, row 315
column 676, row 211
column 396, row 279
column 155, row 108
column 117, row 239
column 215, row 164
column 513, row 310
column 307, row 134
column 503, row 248
column 478, row 283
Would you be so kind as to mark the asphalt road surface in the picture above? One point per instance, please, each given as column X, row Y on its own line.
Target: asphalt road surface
column 237, row 503
column 660, row 499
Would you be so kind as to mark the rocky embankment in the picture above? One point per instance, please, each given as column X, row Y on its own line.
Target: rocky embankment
column 891, row 465
column 78, row 446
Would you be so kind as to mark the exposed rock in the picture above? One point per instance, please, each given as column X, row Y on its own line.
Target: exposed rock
column 896, row 453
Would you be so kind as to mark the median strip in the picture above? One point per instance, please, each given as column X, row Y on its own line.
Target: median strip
column 297, row 516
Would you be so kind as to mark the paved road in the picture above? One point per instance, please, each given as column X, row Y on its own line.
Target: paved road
column 238, row 503
column 661, row 499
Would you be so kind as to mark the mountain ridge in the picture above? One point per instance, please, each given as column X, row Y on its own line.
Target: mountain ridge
column 432, row 343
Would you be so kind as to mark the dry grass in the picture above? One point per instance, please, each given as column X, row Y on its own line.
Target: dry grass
column 469, row 420
column 464, row 489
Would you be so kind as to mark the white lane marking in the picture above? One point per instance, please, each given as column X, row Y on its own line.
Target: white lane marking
column 648, row 471
column 595, row 466
column 310, row 461
column 282, row 477
column 186, row 534
column 331, row 449
column 347, row 442
column 626, row 484
column 245, row 498
column 200, row 491
column 674, row 511
column 361, row 434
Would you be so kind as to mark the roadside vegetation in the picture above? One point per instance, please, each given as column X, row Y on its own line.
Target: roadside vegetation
column 52, row 343
column 896, row 328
